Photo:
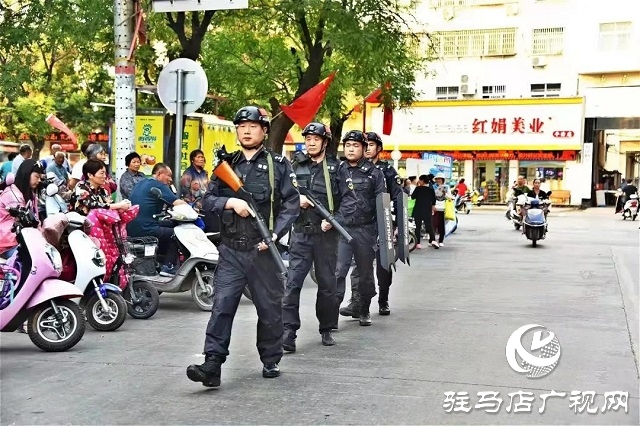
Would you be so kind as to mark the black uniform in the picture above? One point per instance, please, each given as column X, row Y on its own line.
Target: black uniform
column 241, row 263
column 393, row 183
column 359, row 186
column 310, row 245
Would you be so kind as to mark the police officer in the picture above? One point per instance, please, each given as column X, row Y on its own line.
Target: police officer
column 393, row 183
column 359, row 183
column 312, row 239
column 243, row 256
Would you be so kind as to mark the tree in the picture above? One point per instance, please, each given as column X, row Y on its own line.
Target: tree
column 278, row 49
column 51, row 60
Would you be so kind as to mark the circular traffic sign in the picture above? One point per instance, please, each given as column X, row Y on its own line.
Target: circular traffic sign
column 195, row 85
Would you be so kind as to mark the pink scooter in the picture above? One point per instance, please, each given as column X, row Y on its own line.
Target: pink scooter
column 30, row 290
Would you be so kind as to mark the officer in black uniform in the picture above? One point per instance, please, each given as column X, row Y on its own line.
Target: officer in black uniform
column 393, row 182
column 243, row 256
column 359, row 183
column 313, row 241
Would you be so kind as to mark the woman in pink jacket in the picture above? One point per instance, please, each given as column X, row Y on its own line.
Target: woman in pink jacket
column 27, row 179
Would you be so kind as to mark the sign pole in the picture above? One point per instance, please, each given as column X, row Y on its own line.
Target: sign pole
column 124, row 90
column 178, row 128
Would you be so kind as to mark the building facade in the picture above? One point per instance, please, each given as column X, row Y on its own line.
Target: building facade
column 542, row 88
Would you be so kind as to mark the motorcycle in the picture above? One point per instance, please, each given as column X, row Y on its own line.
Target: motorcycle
column 534, row 225
column 31, row 290
column 84, row 265
column 463, row 202
column 198, row 257
column 108, row 226
column 514, row 207
column 476, row 198
column 630, row 209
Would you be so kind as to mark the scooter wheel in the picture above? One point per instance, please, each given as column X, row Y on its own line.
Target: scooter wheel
column 106, row 321
column 204, row 298
column 148, row 299
column 65, row 335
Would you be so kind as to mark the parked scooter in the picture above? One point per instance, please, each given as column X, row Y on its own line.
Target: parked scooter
column 123, row 255
column 198, row 257
column 84, row 265
column 534, row 225
column 463, row 202
column 31, row 290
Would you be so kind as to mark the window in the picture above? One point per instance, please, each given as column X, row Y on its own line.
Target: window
column 467, row 43
column 547, row 41
column 447, row 92
column 449, row 3
column 614, row 36
column 548, row 90
column 493, row 92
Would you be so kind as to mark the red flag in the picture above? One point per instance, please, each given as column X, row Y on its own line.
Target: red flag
column 387, row 120
column 57, row 124
column 304, row 109
column 373, row 96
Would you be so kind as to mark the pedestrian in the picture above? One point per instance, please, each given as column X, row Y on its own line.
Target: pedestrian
column 359, row 183
column 424, row 209
column 313, row 241
column 132, row 175
column 243, row 257
column 194, row 180
column 25, row 153
column 393, row 184
column 55, row 148
column 442, row 193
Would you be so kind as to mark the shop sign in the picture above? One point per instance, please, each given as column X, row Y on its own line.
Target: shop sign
column 386, row 155
column 513, row 155
column 98, row 137
column 490, row 124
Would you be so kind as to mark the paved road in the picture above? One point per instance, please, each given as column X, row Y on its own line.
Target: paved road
column 452, row 314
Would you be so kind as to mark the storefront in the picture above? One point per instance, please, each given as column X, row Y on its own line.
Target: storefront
column 492, row 141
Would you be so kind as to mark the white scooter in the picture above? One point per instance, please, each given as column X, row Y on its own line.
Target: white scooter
column 630, row 209
column 198, row 257
column 84, row 266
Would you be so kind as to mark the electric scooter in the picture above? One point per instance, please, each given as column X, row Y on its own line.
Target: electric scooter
column 31, row 291
column 198, row 257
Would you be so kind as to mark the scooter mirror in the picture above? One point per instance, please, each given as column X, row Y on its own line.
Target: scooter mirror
column 52, row 189
column 156, row 192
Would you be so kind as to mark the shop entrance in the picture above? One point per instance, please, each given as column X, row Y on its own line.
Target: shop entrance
column 492, row 180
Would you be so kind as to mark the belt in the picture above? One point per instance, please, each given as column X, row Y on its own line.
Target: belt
column 360, row 221
column 241, row 244
column 308, row 229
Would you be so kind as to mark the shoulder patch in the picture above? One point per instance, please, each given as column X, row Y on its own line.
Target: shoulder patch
column 279, row 158
column 399, row 180
column 294, row 180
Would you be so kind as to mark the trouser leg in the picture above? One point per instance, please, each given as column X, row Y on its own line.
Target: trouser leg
column 325, row 259
column 384, row 281
column 343, row 263
column 300, row 260
column 364, row 253
column 428, row 224
column 418, row 221
column 229, row 281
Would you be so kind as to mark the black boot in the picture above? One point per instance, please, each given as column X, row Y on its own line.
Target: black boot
column 353, row 308
column 289, row 341
column 208, row 373
column 365, row 316
column 327, row 339
column 270, row 370
column 383, row 302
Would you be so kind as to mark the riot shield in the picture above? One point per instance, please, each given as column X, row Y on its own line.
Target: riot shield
column 385, row 231
column 402, row 222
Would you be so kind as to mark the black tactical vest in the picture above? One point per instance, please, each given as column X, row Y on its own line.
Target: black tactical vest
column 255, row 175
column 364, row 187
column 311, row 175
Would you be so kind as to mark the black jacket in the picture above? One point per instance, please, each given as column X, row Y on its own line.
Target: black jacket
column 425, row 199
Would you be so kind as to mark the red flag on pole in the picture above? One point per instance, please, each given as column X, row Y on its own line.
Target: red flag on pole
column 387, row 112
column 304, row 109
column 57, row 124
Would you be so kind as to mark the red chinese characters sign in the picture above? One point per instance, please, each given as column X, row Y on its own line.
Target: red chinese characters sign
column 513, row 155
column 507, row 126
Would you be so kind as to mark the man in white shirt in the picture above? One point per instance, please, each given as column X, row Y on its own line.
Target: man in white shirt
column 76, row 173
column 25, row 153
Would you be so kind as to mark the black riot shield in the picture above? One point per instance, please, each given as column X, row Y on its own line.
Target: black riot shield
column 402, row 222
column 385, row 231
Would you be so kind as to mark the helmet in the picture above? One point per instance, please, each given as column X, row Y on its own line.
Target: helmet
column 355, row 135
column 316, row 128
column 252, row 113
column 93, row 150
column 373, row 136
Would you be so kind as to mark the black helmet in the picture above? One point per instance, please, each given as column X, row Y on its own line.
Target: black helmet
column 355, row 135
column 252, row 113
column 316, row 128
column 373, row 136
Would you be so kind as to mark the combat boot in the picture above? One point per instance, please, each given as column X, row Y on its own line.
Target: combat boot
column 289, row 341
column 353, row 307
column 365, row 316
column 207, row 373
column 383, row 302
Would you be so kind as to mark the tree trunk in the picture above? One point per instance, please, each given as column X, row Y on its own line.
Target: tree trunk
column 336, row 126
column 38, row 144
column 280, row 126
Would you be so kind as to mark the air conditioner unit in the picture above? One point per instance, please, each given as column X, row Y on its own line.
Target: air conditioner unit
column 538, row 61
column 468, row 81
column 512, row 9
column 448, row 13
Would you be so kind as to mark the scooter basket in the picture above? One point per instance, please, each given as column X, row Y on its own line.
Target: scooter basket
column 144, row 250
